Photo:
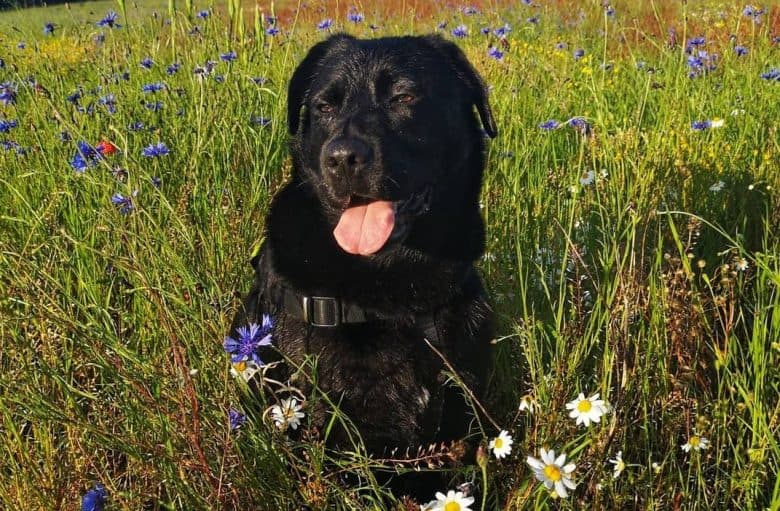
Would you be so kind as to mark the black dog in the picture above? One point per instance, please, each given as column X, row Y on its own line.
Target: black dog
column 370, row 246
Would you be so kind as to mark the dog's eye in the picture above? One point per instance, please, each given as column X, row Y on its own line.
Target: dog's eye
column 325, row 108
column 404, row 99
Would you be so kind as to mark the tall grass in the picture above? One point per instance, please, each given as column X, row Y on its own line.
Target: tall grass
column 637, row 258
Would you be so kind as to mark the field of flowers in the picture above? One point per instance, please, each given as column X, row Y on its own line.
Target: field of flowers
column 633, row 255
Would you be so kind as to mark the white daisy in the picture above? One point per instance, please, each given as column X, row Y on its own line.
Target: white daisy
column 246, row 369
column 287, row 414
column 717, row 186
column 528, row 404
column 697, row 443
column 587, row 178
column 552, row 472
column 502, row 444
column 587, row 410
column 741, row 264
column 620, row 465
column 453, row 501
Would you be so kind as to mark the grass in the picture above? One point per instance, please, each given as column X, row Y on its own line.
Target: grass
column 638, row 260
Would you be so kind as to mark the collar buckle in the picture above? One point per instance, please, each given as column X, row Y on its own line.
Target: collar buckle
column 322, row 311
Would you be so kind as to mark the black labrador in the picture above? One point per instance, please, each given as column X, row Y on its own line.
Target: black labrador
column 367, row 263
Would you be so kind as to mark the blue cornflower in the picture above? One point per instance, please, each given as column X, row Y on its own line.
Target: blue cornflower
column 701, row 125
column 135, row 126
column 94, row 499
column 270, row 20
column 237, row 419
column 533, row 20
column 155, row 150
column 250, row 338
column 502, row 32
column 579, row 124
column 694, row 42
column 99, row 38
column 173, row 68
column 610, row 11
column 272, row 31
column 48, row 29
column 22, row 45
column 86, row 156
column 6, row 126
column 259, row 120
column 10, row 144
column 109, row 21
column 740, row 51
column 560, row 46
column 484, row 30
column 156, row 181
column 753, row 13
column 7, row 93
column 460, row 31
column 219, row 78
column 325, row 24
column 125, row 204
column 772, row 75
column 527, row 2
column 109, row 101
column 578, row 53
column 495, row 53
column 470, row 10
column 147, row 63
column 549, row 125
column 203, row 14
column 153, row 87
column 154, row 106
column 228, row 57
column 64, row 136
column 355, row 17
column 441, row 26
column 259, row 80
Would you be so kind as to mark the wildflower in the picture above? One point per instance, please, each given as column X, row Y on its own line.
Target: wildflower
column 587, row 180
column 697, row 443
column 741, row 51
column 288, row 414
column 470, row 10
column 502, row 32
column 701, row 125
column 717, row 123
column 135, row 126
column 154, row 106
column 153, row 87
column 552, row 472
column 228, row 57
column 484, row 30
column 270, row 20
column 109, row 21
column 460, row 31
column 620, row 465
column 108, row 101
column 560, row 46
column 527, row 403
column 587, row 410
column 772, row 75
column 21, row 45
column 85, row 157
column 203, row 14
column 549, row 125
column 249, row 340
column 99, row 38
column 694, row 42
column 355, row 17
column 754, row 14
column 237, row 419
column 125, row 204
column 6, row 126
column 442, row 25
column 495, row 53
column 656, row 467
column 533, row 20
column 502, row 444
column 272, row 31
column 147, row 63
column 155, row 150
column 94, row 499
column 325, row 24
column 741, row 264
column 64, row 136
column 259, row 80
column 106, row 148
column 219, row 78
column 609, row 11
column 453, row 501
column 579, row 124
column 48, row 29
column 173, row 68
column 578, row 53
column 156, row 181
column 7, row 93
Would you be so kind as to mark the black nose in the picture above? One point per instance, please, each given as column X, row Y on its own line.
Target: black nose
column 347, row 155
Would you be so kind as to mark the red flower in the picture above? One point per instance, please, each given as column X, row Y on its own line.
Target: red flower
column 106, row 148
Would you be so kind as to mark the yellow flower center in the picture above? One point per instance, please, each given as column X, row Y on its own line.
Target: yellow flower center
column 452, row 506
column 694, row 441
column 240, row 366
column 498, row 443
column 553, row 473
column 584, row 406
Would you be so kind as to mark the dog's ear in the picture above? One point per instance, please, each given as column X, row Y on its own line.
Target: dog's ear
column 469, row 78
column 302, row 78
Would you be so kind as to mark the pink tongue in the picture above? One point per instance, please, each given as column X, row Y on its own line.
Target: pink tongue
column 365, row 229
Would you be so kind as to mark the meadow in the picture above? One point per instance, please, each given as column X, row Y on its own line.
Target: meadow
column 631, row 199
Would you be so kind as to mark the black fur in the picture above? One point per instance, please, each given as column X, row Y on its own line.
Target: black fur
column 382, row 373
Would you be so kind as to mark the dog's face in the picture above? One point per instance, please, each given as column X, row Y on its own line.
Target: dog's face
column 384, row 132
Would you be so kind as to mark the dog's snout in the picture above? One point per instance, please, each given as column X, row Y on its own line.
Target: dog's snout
column 347, row 155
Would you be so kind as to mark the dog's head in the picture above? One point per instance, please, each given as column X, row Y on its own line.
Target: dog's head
column 384, row 133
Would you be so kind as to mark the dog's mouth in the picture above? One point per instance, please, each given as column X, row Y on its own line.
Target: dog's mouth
column 367, row 224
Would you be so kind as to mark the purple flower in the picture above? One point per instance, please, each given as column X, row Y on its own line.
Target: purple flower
column 441, row 26
column 270, row 20
column 86, row 156
column 135, row 126
column 125, row 204
column 470, row 10
column 7, row 93
column 48, row 29
column 250, row 339
column 460, row 31
column 109, row 21
column 156, row 181
column 259, row 121
column 579, row 124
column 237, row 419
column 153, row 87
column 578, row 53
column 753, row 13
column 94, row 499
column 549, row 125
column 259, row 80
column 740, row 51
column 228, row 57
column 108, row 101
column 560, row 46
column 533, row 20
column 484, row 30
column 155, row 150
column 694, row 42
column 700, row 125
column 354, row 16
column 6, row 126
column 154, row 106
column 502, row 32
column 21, row 45
column 147, row 63
column 203, row 14
column 610, row 11
column 773, row 75
column 495, row 53
column 272, row 31
column 325, row 24
column 173, row 68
